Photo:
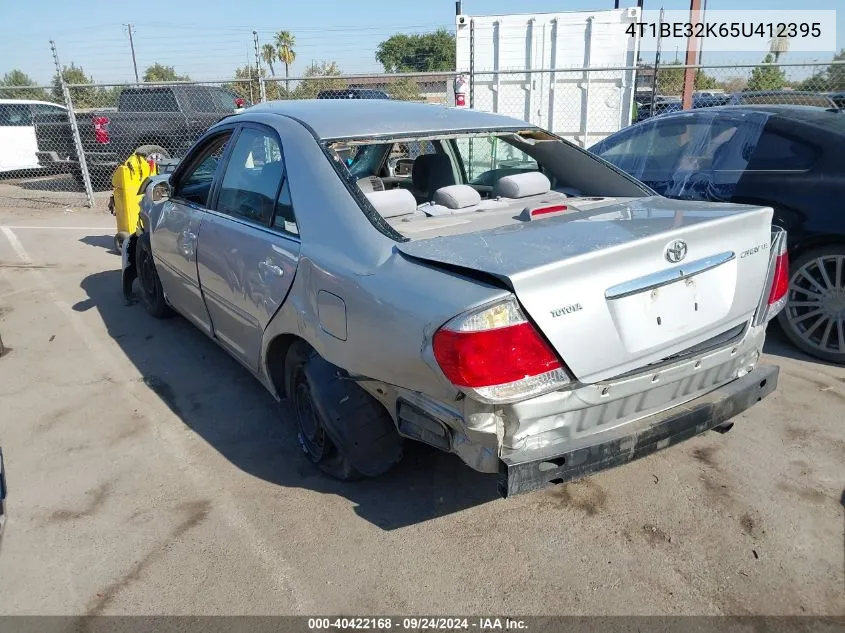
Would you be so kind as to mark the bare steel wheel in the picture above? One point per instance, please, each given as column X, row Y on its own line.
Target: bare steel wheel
column 814, row 317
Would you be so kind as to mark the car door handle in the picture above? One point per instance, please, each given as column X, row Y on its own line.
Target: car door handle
column 267, row 270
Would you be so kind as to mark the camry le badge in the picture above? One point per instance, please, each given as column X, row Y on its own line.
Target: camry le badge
column 676, row 251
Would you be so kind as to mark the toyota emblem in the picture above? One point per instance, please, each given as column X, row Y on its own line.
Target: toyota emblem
column 676, row 251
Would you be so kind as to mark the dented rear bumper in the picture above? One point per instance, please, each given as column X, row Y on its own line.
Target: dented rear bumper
column 525, row 471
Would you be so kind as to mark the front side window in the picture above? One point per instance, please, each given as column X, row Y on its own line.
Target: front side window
column 253, row 176
column 195, row 184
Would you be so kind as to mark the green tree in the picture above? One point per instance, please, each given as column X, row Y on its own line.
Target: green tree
column 670, row 79
column 831, row 78
column 15, row 86
column 268, row 54
column 420, row 52
column 767, row 76
column 404, row 89
column 319, row 77
column 81, row 96
column 285, row 41
column 158, row 72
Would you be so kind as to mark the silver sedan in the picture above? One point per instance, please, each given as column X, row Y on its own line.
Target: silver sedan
column 409, row 271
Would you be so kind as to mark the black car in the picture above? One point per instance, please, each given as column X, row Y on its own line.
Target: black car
column 353, row 93
column 786, row 157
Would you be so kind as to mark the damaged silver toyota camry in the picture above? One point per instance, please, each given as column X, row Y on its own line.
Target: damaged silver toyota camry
column 463, row 279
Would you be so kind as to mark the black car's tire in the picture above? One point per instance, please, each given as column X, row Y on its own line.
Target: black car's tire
column 152, row 294
column 341, row 428
column 814, row 316
column 156, row 151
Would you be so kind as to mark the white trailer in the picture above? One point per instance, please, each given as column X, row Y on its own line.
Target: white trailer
column 572, row 72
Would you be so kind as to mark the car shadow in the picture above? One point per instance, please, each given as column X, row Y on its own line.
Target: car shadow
column 777, row 344
column 103, row 241
column 226, row 406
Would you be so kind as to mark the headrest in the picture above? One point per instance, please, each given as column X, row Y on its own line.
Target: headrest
column 457, row 196
column 393, row 202
column 531, row 183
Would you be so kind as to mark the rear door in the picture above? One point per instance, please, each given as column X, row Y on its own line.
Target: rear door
column 175, row 236
column 249, row 250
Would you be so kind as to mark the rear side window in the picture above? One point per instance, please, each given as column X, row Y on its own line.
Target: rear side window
column 253, row 176
column 208, row 99
column 775, row 152
column 15, row 115
column 148, row 100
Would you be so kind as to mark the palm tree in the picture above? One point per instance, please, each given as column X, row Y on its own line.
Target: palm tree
column 778, row 46
column 268, row 54
column 285, row 41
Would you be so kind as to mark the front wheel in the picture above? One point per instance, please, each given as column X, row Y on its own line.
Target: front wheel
column 152, row 294
column 814, row 316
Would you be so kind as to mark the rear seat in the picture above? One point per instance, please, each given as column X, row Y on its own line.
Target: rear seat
column 515, row 191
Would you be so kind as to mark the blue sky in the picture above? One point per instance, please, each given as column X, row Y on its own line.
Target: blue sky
column 209, row 38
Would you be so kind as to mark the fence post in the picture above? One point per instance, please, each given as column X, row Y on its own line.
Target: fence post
column 77, row 141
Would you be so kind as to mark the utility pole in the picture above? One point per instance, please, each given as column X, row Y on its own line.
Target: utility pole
column 132, row 47
column 261, row 91
column 692, row 44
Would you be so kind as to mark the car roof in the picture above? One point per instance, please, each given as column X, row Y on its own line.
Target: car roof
column 809, row 115
column 353, row 118
column 31, row 102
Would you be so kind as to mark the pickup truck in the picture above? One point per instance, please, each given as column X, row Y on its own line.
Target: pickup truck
column 155, row 121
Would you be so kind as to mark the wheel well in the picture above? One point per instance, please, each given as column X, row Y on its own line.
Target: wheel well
column 277, row 351
column 815, row 242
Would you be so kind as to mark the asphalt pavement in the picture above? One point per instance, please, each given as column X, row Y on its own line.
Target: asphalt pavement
column 149, row 473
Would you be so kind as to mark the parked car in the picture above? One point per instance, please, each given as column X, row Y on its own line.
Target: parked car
column 786, row 157
column 659, row 105
column 353, row 93
column 702, row 100
column 838, row 98
column 542, row 320
column 781, row 97
column 18, row 144
column 155, row 121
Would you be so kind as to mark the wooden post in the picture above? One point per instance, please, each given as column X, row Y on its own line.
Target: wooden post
column 692, row 45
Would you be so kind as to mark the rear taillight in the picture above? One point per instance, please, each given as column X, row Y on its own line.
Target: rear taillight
column 496, row 354
column 239, row 103
column 780, row 279
column 101, row 129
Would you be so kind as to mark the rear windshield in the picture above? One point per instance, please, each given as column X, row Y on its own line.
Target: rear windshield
column 409, row 181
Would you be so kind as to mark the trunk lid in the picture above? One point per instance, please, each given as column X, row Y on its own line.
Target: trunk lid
column 605, row 290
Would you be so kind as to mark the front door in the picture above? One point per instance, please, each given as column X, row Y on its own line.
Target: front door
column 176, row 235
column 249, row 249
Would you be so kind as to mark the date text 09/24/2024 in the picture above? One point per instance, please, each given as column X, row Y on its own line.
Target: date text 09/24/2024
column 418, row 624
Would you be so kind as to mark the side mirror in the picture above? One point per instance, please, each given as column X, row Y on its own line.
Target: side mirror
column 160, row 191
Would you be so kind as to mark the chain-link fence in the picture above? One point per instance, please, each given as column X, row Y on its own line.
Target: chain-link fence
column 61, row 144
